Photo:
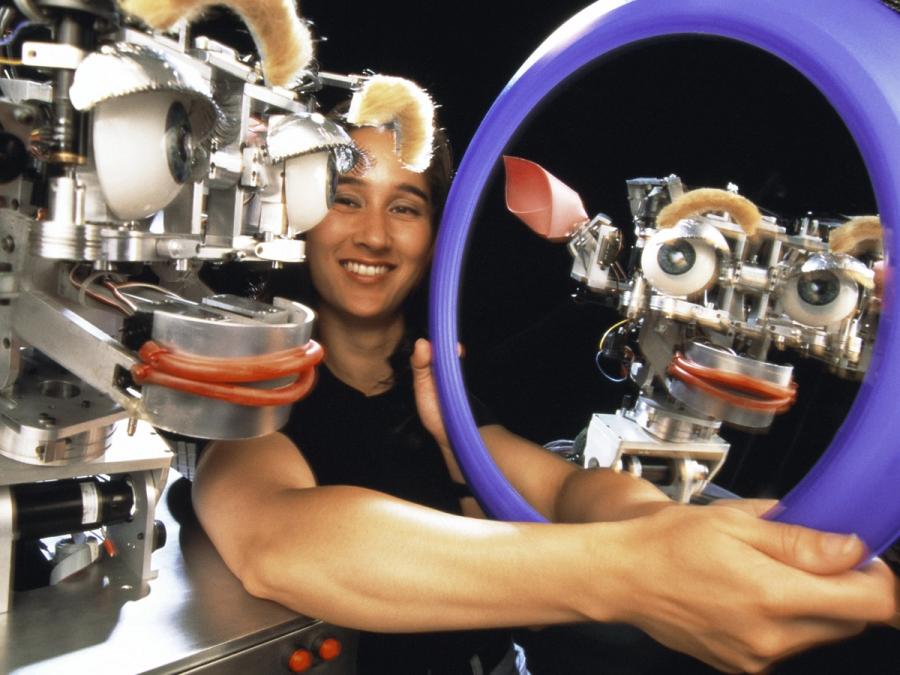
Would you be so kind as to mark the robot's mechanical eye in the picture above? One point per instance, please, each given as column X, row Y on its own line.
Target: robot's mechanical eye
column 179, row 144
column 682, row 267
column 677, row 258
column 310, row 183
column 820, row 298
column 819, row 288
column 143, row 149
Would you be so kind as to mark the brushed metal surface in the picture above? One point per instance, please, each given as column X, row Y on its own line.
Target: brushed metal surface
column 194, row 616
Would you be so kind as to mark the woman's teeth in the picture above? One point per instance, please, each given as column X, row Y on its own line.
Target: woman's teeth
column 365, row 270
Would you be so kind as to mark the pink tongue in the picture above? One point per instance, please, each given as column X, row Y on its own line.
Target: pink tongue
column 541, row 200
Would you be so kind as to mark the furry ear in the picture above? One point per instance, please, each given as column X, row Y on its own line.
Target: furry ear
column 704, row 200
column 283, row 40
column 862, row 234
column 403, row 105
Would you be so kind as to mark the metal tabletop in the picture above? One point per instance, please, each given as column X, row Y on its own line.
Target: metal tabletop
column 194, row 614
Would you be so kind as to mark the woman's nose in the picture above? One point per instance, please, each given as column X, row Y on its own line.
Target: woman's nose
column 374, row 231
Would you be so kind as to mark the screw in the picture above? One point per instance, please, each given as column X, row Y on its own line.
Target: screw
column 23, row 115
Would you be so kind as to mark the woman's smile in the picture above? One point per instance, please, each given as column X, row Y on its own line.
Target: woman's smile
column 369, row 271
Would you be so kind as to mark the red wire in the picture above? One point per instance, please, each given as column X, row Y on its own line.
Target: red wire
column 232, row 393
column 237, row 369
column 213, row 377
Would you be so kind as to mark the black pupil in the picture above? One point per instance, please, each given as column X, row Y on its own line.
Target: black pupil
column 819, row 288
column 179, row 148
column 676, row 258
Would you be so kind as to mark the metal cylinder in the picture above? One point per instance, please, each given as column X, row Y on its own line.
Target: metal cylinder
column 48, row 509
column 66, row 120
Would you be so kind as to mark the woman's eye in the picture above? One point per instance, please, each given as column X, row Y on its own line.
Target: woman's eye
column 408, row 210
column 346, row 201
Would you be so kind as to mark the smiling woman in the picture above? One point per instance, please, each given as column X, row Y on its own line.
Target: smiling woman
column 371, row 250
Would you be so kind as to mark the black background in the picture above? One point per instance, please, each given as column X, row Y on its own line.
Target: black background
column 708, row 110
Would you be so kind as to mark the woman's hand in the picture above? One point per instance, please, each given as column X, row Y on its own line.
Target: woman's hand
column 739, row 592
column 426, row 393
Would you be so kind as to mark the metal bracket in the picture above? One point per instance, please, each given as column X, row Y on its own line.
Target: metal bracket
column 51, row 55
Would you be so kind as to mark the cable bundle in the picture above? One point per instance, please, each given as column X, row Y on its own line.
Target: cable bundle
column 219, row 377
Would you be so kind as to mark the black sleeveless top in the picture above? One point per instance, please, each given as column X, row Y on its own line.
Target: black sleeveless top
column 378, row 442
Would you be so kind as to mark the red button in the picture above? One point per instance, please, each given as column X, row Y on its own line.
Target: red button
column 300, row 661
column 330, row 649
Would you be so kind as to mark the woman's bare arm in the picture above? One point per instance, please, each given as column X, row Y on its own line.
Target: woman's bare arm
column 721, row 585
column 364, row 559
column 557, row 489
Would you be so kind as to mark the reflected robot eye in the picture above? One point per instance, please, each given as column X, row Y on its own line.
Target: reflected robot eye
column 682, row 267
column 820, row 298
column 677, row 258
column 819, row 288
column 143, row 149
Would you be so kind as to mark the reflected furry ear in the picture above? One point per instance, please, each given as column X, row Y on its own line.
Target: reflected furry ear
column 283, row 40
column 405, row 107
column 859, row 235
column 704, row 200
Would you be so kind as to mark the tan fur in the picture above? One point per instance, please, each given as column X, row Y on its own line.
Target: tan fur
column 403, row 105
column 283, row 40
column 862, row 234
column 704, row 200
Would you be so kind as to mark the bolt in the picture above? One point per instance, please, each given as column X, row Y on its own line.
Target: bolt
column 23, row 115
column 8, row 244
column 46, row 420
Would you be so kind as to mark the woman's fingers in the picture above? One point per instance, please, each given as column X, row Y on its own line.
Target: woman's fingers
column 735, row 590
column 753, row 507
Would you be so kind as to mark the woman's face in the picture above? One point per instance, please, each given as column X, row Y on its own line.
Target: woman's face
column 374, row 245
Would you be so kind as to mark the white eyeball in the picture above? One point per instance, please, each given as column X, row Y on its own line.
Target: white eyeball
column 820, row 298
column 309, row 185
column 682, row 267
column 143, row 151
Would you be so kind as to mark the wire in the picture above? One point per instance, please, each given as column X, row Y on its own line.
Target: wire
column 9, row 39
column 616, row 380
column 118, row 294
column 84, row 290
column 269, row 366
column 154, row 287
column 610, row 330
column 232, row 393
column 10, row 62
column 603, row 372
